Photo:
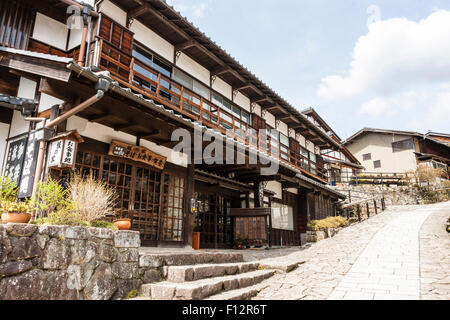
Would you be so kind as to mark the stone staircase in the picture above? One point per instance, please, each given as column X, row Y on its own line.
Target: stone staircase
column 221, row 276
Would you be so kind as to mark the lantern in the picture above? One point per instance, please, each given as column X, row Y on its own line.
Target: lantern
column 63, row 149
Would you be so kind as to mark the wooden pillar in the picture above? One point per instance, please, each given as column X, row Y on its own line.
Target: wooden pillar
column 189, row 221
column 258, row 194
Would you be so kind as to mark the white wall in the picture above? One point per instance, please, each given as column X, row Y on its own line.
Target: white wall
column 152, row 41
column 276, row 187
column 48, row 101
column 4, row 128
column 380, row 147
column 114, row 12
column 105, row 134
column 193, row 68
column 242, row 101
column 222, row 87
column 50, row 31
column 283, row 128
column 270, row 119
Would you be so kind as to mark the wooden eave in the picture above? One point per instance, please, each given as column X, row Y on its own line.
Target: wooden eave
column 170, row 25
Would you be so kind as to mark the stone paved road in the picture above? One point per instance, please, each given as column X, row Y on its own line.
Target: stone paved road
column 376, row 259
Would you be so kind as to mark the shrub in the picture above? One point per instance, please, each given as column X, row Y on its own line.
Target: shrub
column 16, row 207
column 327, row 223
column 92, row 199
column 103, row 224
column 52, row 197
column 8, row 189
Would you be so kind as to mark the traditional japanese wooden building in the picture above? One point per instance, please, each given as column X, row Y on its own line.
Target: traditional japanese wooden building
column 341, row 165
column 120, row 77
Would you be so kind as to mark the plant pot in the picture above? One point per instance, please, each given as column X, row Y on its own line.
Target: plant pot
column 122, row 224
column 196, row 241
column 16, row 217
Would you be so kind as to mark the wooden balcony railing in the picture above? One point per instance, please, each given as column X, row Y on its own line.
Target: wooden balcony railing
column 155, row 85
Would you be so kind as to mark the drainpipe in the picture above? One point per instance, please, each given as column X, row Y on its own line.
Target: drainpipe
column 102, row 86
column 86, row 13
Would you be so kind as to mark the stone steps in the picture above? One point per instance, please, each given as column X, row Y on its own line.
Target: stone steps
column 239, row 294
column 203, row 271
column 201, row 289
column 184, row 259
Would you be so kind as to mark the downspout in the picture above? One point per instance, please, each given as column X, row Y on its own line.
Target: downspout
column 102, row 86
column 87, row 14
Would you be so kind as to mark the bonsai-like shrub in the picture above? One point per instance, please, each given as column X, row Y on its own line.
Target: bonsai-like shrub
column 327, row 223
column 92, row 199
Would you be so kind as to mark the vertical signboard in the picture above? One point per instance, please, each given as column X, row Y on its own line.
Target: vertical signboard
column 15, row 158
column 29, row 167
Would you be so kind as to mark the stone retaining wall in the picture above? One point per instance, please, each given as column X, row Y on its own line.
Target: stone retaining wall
column 393, row 195
column 61, row 262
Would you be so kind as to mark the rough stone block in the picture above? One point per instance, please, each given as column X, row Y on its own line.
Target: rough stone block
column 125, row 287
column 23, row 248
column 230, row 284
column 125, row 270
column 101, row 233
column 102, row 284
column 57, row 255
column 41, row 240
column 177, row 274
column 107, row 253
column 53, row 231
column 159, row 292
column 78, row 233
column 15, row 267
column 153, row 275
column 150, row 261
column 127, row 239
column 128, row 255
column 20, row 229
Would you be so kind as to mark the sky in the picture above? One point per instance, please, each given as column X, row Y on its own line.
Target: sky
column 378, row 64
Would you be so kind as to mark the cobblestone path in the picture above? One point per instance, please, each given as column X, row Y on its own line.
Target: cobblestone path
column 376, row 259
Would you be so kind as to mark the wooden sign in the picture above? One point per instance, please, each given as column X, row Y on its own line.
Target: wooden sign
column 140, row 154
column 29, row 167
column 63, row 149
column 15, row 159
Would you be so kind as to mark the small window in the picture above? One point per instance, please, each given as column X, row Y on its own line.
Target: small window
column 367, row 156
column 377, row 164
column 403, row 145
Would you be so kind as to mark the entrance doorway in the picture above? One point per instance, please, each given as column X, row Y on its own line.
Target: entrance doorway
column 213, row 219
column 151, row 198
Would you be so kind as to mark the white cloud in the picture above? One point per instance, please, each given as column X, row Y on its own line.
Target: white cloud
column 395, row 55
column 399, row 66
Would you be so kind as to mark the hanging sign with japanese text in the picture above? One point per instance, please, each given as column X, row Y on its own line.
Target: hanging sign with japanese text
column 29, row 167
column 140, row 154
column 14, row 159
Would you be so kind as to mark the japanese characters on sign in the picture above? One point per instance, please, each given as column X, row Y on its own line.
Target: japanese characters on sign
column 69, row 153
column 29, row 167
column 14, row 160
column 141, row 154
column 56, row 149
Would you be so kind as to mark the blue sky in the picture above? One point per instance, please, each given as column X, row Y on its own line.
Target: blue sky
column 382, row 64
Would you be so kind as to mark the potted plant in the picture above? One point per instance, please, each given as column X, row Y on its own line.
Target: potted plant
column 122, row 223
column 16, row 212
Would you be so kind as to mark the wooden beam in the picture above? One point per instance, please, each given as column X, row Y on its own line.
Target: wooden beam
column 185, row 45
column 136, row 12
column 124, row 127
column 98, row 117
column 259, row 100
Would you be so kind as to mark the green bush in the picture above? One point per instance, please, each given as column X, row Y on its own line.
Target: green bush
column 103, row 224
column 327, row 223
column 52, row 197
column 8, row 189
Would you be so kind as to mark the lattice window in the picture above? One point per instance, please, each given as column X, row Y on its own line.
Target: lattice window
column 16, row 21
column 173, row 190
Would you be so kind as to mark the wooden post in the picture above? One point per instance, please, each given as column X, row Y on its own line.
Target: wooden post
column 358, row 212
column 375, row 205
column 368, row 211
